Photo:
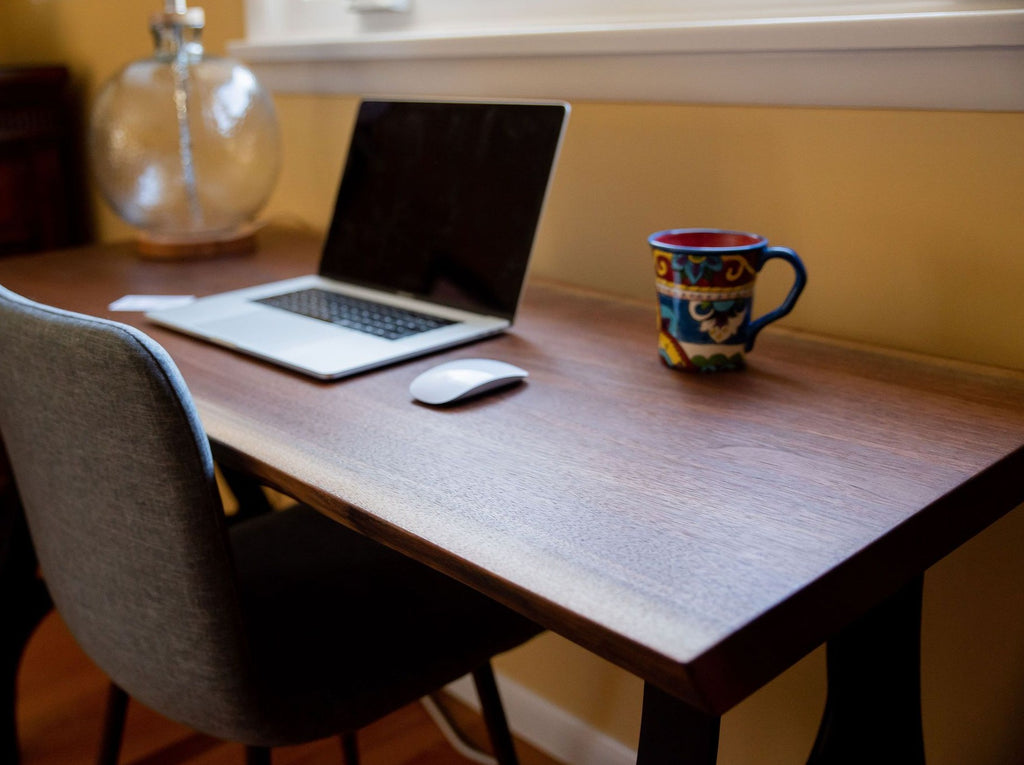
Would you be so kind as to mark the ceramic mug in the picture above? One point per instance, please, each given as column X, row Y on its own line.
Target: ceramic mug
column 705, row 283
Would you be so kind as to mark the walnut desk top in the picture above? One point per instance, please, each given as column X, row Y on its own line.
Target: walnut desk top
column 703, row 532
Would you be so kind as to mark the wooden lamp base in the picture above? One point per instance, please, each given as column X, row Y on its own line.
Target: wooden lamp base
column 241, row 241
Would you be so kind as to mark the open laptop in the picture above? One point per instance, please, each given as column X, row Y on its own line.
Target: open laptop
column 428, row 248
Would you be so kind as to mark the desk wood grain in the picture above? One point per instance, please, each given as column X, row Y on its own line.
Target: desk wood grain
column 704, row 532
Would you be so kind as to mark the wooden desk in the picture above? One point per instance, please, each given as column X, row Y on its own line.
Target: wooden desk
column 703, row 532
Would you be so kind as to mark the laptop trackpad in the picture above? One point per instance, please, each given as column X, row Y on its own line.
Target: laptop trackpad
column 270, row 330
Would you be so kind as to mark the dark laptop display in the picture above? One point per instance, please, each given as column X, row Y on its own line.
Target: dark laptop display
column 440, row 201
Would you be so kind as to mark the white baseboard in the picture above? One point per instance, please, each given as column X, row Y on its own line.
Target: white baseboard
column 549, row 727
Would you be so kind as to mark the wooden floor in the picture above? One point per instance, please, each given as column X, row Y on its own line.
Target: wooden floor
column 61, row 696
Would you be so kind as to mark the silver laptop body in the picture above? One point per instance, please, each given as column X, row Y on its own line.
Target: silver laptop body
column 433, row 226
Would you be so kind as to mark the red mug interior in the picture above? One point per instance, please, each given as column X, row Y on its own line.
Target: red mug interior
column 709, row 239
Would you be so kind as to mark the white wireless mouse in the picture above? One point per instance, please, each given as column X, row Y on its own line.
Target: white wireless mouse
column 457, row 380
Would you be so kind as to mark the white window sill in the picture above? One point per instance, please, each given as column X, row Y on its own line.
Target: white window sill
column 961, row 60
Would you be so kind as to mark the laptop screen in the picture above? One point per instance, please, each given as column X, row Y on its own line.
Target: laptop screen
column 441, row 200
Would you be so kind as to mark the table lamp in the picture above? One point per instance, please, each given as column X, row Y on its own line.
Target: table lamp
column 183, row 146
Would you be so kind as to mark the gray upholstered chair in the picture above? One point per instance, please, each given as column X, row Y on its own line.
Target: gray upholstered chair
column 283, row 629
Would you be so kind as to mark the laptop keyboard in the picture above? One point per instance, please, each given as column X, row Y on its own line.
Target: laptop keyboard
column 385, row 321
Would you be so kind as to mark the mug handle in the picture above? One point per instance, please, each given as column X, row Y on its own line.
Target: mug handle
column 799, row 282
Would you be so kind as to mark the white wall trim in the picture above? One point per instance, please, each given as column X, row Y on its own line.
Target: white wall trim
column 963, row 29
column 984, row 80
column 964, row 60
column 548, row 727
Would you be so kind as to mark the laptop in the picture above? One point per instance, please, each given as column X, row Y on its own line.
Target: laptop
column 433, row 225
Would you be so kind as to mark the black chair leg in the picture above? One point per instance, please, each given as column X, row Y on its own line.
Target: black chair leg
column 494, row 716
column 113, row 726
column 24, row 602
column 349, row 748
column 257, row 755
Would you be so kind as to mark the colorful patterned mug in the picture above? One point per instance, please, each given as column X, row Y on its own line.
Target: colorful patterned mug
column 705, row 283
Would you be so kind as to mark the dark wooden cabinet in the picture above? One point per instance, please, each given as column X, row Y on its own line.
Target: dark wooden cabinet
column 41, row 199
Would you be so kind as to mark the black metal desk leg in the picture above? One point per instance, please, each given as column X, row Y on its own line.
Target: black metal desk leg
column 248, row 492
column 873, row 708
column 672, row 731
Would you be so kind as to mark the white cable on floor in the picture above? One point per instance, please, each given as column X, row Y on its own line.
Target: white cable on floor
column 452, row 735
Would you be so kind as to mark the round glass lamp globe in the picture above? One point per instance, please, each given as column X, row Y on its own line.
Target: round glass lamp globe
column 185, row 146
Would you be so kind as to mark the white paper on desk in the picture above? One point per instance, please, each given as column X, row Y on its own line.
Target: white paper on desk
column 149, row 302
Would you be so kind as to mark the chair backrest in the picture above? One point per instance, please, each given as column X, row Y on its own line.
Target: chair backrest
column 117, row 480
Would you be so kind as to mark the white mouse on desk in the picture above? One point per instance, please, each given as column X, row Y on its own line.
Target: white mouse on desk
column 457, row 380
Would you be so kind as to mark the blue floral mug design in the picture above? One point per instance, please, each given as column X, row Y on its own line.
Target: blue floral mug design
column 705, row 284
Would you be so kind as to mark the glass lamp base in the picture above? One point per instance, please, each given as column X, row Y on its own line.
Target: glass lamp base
column 239, row 241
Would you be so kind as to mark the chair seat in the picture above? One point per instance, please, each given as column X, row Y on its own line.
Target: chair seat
column 344, row 630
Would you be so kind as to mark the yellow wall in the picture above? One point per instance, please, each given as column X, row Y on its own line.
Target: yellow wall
column 906, row 220
column 910, row 224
